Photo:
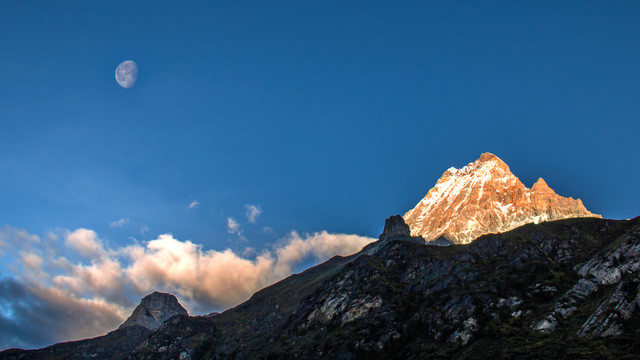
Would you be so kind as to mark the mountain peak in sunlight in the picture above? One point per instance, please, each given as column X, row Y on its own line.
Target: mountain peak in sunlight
column 486, row 197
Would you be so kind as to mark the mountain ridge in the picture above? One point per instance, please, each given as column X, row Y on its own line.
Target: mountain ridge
column 485, row 197
column 542, row 290
column 547, row 288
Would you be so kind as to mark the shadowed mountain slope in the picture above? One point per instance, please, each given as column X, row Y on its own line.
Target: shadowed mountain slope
column 566, row 288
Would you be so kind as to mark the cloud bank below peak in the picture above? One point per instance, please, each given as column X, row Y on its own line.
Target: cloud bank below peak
column 75, row 287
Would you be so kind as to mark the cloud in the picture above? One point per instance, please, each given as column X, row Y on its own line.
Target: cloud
column 223, row 278
column 233, row 227
column 213, row 278
column 56, row 299
column 268, row 230
column 104, row 278
column 321, row 246
column 16, row 238
column 122, row 222
column 193, row 204
column 85, row 242
column 252, row 213
column 32, row 261
column 36, row 316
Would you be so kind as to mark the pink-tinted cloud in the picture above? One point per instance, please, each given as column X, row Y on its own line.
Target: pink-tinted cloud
column 85, row 242
column 224, row 278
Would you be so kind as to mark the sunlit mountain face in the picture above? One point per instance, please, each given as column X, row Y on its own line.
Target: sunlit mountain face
column 486, row 197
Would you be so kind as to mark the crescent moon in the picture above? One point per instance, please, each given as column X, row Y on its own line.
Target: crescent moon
column 127, row 74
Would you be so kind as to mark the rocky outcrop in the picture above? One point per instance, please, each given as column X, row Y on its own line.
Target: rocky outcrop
column 486, row 197
column 395, row 227
column 619, row 267
column 608, row 319
column 154, row 309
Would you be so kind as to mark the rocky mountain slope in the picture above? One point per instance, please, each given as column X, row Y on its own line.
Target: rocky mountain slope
column 153, row 310
column 561, row 289
column 485, row 197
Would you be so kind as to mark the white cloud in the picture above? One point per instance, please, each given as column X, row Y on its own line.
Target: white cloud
column 85, row 242
column 16, row 238
column 32, row 261
column 193, row 204
column 253, row 211
column 103, row 278
column 224, row 278
column 143, row 229
column 122, row 222
column 268, row 230
column 233, row 227
column 321, row 245
column 216, row 278
column 110, row 282
column 248, row 251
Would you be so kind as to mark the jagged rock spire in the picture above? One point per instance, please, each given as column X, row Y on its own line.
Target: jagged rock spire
column 395, row 227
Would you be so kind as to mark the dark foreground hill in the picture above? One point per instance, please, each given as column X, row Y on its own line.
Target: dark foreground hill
column 563, row 289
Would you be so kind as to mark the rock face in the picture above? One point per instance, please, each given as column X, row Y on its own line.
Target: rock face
column 395, row 227
column 485, row 197
column 154, row 309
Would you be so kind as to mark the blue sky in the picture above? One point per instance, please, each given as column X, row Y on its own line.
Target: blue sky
column 325, row 116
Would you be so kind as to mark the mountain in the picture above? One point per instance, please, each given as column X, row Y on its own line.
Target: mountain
column 153, row 310
column 558, row 289
column 485, row 197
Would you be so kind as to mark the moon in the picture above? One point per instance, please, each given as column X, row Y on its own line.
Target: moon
column 127, row 74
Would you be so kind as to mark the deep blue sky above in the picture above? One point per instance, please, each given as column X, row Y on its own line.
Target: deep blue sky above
column 328, row 115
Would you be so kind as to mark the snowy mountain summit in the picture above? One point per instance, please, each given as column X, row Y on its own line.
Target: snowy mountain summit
column 485, row 197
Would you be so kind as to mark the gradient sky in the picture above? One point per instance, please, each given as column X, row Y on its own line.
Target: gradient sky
column 250, row 120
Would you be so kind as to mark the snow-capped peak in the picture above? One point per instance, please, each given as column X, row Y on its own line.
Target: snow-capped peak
column 486, row 197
